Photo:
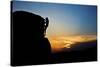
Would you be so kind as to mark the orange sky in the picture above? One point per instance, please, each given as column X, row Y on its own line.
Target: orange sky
column 60, row 42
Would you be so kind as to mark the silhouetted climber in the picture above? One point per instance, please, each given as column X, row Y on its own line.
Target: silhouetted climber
column 29, row 45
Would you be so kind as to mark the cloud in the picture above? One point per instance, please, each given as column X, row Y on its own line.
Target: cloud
column 60, row 42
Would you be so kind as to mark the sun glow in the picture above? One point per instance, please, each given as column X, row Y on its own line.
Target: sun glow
column 60, row 42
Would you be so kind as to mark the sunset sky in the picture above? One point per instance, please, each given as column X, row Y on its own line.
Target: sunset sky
column 65, row 19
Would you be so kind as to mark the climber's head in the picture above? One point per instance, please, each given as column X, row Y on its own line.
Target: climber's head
column 29, row 23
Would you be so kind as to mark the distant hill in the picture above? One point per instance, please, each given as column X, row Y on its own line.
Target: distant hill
column 84, row 45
